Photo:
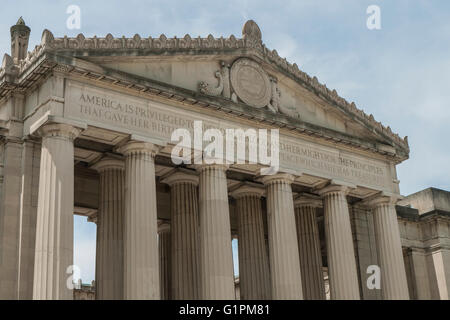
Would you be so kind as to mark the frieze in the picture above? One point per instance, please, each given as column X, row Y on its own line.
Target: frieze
column 110, row 110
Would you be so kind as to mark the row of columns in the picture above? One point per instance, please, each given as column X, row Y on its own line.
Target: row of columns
column 198, row 245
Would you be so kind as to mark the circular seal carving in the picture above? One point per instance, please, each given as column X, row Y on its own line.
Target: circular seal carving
column 251, row 83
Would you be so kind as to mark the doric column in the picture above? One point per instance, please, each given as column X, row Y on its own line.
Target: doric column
column 340, row 250
column 387, row 236
column 309, row 247
column 184, row 234
column 110, row 218
column 54, row 229
column 164, row 259
column 141, row 261
column 216, row 259
column 283, row 245
column 31, row 155
column 11, row 158
column 254, row 277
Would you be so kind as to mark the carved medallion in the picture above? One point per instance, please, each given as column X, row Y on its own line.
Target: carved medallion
column 250, row 83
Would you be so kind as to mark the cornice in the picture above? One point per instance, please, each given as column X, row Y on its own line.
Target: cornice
column 137, row 46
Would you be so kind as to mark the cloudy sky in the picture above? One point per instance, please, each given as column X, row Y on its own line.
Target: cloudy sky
column 400, row 74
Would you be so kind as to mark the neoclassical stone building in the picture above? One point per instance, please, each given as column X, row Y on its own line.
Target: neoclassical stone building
column 86, row 128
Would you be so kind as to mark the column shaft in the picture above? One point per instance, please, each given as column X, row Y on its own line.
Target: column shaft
column 110, row 218
column 216, row 260
column 184, row 232
column 54, row 229
column 254, row 277
column 394, row 285
column 11, row 158
column 141, row 261
column 284, row 257
column 309, row 251
column 164, row 260
column 28, row 212
column 340, row 250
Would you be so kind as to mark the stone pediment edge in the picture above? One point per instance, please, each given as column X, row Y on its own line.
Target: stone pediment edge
column 203, row 45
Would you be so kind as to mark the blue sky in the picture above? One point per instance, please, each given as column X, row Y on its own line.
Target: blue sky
column 400, row 74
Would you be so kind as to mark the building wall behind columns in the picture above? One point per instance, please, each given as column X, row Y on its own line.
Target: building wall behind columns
column 9, row 218
column 417, row 273
column 409, row 273
column 31, row 155
column 86, row 188
column 365, row 249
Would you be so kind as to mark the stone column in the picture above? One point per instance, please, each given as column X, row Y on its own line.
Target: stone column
column 341, row 254
column 254, row 277
column 283, row 245
column 110, row 218
column 164, row 259
column 387, row 236
column 184, row 235
column 216, row 259
column 31, row 155
column 54, row 227
column 141, row 260
column 10, row 217
column 309, row 247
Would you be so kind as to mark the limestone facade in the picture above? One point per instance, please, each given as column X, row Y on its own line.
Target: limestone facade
column 424, row 224
column 87, row 128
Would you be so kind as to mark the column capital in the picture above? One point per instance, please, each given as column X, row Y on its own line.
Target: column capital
column 308, row 200
column 381, row 198
column 108, row 163
column 180, row 176
column 247, row 189
column 335, row 187
column 138, row 147
column 163, row 226
column 279, row 177
column 217, row 166
column 59, row 130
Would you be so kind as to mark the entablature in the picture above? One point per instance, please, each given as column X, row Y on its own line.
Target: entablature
column 64, row 54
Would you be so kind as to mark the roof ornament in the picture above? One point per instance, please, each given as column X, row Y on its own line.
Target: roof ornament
column 7, row 62
column 20, row 22
column 47, row 38
column 251, row 33
column 20, row 34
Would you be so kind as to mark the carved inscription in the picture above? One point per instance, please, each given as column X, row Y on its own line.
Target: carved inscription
column 132, row 116
column 335, row 164
column 114, row 111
